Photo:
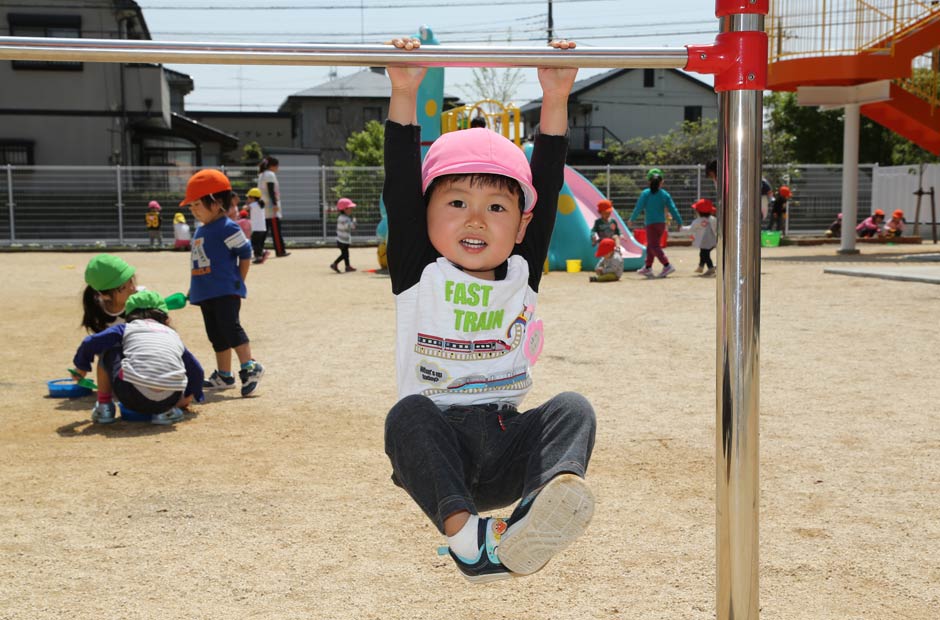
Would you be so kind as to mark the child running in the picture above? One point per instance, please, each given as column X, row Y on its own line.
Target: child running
column 344, row 227
column 221, row 257
column 653, row 203
column 144, row 364
column 468, row 235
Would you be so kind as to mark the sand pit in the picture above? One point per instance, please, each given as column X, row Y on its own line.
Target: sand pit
column 280, row 506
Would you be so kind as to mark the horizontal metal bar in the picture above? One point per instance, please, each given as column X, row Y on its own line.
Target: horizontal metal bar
column 191, row 52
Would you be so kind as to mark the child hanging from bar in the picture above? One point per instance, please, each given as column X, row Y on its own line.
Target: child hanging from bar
column 468, row 235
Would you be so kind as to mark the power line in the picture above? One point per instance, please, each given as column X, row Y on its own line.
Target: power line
column 319, row 7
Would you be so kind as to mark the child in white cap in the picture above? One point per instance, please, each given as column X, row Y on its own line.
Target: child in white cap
column 467, row 237
column 345, row 224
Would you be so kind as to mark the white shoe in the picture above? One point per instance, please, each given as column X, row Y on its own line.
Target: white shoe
column 555, row 517
column 645, row 271
column 667, row 270
column 167, row 417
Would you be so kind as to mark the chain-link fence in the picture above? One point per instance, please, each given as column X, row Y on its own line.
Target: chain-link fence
column 107, row 204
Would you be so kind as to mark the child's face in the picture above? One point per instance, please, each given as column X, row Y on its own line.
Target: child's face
column 475, row 227
column 117, row 299
column 205, row 214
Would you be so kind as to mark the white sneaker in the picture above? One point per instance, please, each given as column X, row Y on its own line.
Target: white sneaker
column 554, row 519
column 667, row 270
column 699, row 269
column 167, row 417
column 645, row 271
column 710, row 273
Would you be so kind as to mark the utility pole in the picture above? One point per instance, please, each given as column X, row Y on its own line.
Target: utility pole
column 551, row 23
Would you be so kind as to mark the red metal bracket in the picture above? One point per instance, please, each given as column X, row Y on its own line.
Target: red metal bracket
column 738, row 60
column 724, row 8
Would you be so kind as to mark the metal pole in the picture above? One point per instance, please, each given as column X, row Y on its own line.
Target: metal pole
column 738, row 344
column 120, row 205
column 608, row 182
column 10, row 202
column 189, row 52
column 850, row 177
column 323, row 209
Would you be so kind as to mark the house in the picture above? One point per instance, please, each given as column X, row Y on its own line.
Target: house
column 324, row 116
column 628, row 103
column 80, row 113
column 273, row 131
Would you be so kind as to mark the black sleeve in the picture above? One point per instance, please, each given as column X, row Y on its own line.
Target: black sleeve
column 408, row 246
column 548, row 176
column 272, row 193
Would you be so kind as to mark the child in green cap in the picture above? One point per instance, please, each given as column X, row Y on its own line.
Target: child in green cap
column 110, row 281
column 143, row 363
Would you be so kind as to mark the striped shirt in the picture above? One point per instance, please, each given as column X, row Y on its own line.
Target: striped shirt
column 153, row 358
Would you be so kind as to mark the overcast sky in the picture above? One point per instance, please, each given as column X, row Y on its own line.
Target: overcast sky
column 628, row 23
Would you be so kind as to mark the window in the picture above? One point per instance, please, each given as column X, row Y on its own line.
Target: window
column 693, row 113
column 16, row 152
column 334, row 114
column 61, row 26
column 649, row 78
column 371, row 113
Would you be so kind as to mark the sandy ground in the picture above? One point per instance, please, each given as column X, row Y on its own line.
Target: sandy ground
column 280, row 506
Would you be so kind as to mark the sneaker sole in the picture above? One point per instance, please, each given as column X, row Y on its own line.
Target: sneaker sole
column 478, row 579
column 218, row 387
column 559, row 514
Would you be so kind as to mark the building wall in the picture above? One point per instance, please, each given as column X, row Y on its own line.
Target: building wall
column 631, row 110
column 325, row 130
column 271, row 131
column 74, row 116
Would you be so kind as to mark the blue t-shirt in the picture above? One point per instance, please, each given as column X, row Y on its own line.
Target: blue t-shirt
column 216, row 248
column 654, row 206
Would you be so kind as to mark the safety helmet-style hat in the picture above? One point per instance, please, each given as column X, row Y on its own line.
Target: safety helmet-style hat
column 254, row 192
column 879, row 212
column 154, row 205
column 704, row 206
column 654, row 173
column 898, row 213
column 179, row 218
column 344, row 203
column 785, row 191
column 604, row 206
column 106, row 272
column 605, row 247
column 145, row 299
column 205, row 182
column 478, row 151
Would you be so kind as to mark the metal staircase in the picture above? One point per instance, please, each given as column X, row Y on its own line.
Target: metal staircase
column 853, row 42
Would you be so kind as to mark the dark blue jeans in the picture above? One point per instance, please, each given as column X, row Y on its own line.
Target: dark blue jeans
column 483, row 457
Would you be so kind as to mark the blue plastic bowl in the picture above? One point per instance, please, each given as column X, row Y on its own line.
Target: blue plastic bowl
column 129, row 415
column 66, row 388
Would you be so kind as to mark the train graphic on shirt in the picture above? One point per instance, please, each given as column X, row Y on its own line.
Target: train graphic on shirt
column 469, row 350
column 516, row 379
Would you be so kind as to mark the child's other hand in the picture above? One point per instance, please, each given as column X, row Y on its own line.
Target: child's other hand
column 406, row 78
column 558, row 80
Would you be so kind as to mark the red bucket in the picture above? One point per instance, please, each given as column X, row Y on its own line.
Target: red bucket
column 640, row 235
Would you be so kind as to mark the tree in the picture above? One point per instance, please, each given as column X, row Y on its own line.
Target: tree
column 365, row 149
column 804, row 134
column 497, row 84
column 251, row 153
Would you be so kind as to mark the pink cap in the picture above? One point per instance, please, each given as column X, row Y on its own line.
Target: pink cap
column 154, row 205
column 344, row 203
column 478, row 151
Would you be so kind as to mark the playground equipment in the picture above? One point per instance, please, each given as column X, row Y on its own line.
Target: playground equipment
column 738, row 60
column 501, row 118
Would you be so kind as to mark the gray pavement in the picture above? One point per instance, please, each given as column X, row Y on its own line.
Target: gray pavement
column 925, row 274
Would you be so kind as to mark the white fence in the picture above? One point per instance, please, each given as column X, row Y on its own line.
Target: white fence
column 78, row 205
column 895, row 187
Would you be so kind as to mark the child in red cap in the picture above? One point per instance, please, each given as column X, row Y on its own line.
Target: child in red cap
column 895, row 226
column 605, row 227
column 871, row 226
column 704, row 231
column 610, row 266
column 468, row 235
column 221, row 257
